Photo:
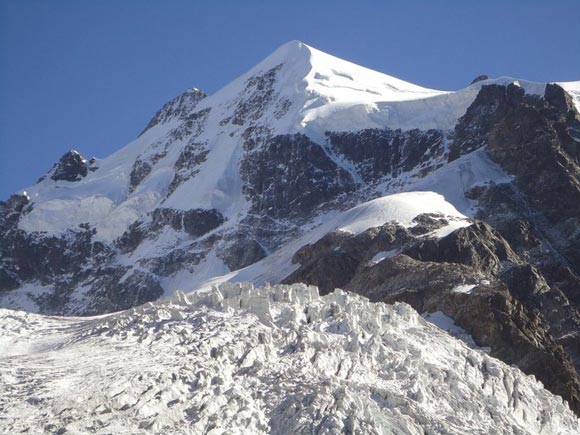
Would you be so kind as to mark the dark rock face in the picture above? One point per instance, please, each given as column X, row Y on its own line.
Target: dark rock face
column 535, row 140
column 241, row 251
column 75, row 260
column 178, row 108
column 259, row 95
column 290, row 176
column 10, row 212
column 498, row 311
column 122, row 288
column 479, row 79
column 195, row 222
column 141, row 169
column 490, row 106
column 71, row 167
column 377, row 153
column 191, row 157
column 62, row 263
column 478, row 246
column 188, row 163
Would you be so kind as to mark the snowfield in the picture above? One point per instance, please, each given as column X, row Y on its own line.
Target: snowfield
column 272, row 360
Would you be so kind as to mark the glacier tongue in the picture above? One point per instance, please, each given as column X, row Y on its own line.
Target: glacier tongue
column 282, row 359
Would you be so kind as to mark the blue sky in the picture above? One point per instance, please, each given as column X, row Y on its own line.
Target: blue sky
column 90, row 74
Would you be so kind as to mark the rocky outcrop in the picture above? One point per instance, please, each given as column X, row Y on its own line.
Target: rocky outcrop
column 259, row 95
column 63, row 265
column 489, row 107
column 195, row 222
column 188, row 163
column 479, row 79
column 10, row 212
column 535, row 139
column 477, row 245
column 178, row 108
column 71, row 167
column 377, row 153
column 289, row 176
column 240, row 249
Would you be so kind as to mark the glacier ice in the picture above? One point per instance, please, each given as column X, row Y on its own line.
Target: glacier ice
column 275, row 359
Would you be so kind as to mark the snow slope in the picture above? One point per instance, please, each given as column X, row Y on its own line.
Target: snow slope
column 271, row 360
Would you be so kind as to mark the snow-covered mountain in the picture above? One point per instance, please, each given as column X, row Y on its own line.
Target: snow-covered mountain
column 311, row 169
column 259, row 361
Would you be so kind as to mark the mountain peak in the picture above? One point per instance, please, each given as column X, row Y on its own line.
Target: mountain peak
column 290, row 53
column 311, row 79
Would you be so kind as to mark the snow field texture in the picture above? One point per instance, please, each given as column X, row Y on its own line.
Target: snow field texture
column 243, row 360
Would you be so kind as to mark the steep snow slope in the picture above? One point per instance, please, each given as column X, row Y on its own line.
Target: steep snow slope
column 270, row 360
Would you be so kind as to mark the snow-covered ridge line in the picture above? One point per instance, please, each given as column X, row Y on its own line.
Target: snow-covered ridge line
column 276, row 359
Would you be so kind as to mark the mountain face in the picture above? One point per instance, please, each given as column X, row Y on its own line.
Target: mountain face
column 311, row 169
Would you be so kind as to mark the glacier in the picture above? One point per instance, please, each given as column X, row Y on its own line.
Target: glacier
column 277, row 359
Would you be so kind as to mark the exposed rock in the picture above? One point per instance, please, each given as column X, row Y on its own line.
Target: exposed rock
column 378, row 153
column 196, row 222
column 124, row 289
column 258, row 95
column 141, row 169
column 479, row 79
column 490, row 106
column 290, row 175
column 71, row 167
column 240, row 251
column 188, row 163
column 178, row 108
column 477, row 245
column 559, row 98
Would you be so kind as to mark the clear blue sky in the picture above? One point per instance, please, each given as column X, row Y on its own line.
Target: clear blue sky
column 89, row 74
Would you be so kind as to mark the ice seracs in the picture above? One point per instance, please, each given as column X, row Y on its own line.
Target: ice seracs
column 280, row 359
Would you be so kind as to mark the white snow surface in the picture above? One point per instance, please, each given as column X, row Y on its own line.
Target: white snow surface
column 464, row 288
column 241, row 360
column 573, row 88
column 401, row 208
